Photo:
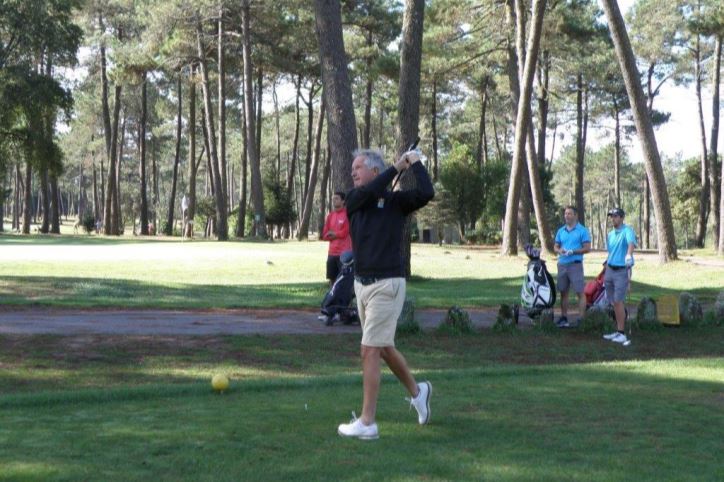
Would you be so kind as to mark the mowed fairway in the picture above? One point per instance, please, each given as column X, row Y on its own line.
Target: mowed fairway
column 161, row 273
column 524, row 406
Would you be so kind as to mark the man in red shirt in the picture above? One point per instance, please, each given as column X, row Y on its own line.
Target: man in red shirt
column 336, row 231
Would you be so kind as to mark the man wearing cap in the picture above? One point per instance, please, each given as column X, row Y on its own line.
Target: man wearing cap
column 377, row 218
column 572, row 242
column 621, row 242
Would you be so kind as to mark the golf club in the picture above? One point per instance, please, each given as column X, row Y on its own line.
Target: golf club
column 625, row 309
column 412, row 147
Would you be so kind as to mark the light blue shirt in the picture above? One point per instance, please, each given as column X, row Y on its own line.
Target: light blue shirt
column 570, row 240
column 617, row 242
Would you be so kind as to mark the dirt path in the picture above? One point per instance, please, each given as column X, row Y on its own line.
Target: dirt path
column 195, row 322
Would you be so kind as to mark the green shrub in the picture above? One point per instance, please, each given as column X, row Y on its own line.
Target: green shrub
column 88, row 222
column 504, row 322
column 719, row 308
column 406, row 323
column 711, row 318
column 457, row 321
column 546, row 323
column 597, row 320
column 646, row 316
column 690, row 309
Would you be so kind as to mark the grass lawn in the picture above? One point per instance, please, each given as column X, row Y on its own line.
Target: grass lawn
column 516, row 406
column 91, row 271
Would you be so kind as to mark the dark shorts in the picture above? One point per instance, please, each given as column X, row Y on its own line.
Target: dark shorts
column 571, row 275
column 333, row 267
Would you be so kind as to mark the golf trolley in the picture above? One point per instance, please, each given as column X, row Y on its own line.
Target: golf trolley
column 337, row 306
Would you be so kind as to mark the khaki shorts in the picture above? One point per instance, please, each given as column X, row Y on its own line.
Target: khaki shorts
column 571, row 275
column 379, row 305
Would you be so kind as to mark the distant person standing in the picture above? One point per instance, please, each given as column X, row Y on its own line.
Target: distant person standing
column 336, row 231
column 572, row 242
column 186, row 232
column 621, row 242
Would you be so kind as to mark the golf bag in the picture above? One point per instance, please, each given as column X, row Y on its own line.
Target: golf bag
column 595, row 291
column 596, row 298
column 539, row 289
column 337, row 304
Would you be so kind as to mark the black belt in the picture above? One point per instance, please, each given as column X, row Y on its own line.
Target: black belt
column 616, row 268
column 367, row 280
column 572, row 262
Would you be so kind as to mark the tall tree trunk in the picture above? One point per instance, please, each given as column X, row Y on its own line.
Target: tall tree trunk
column 16, row 198
column 433, row 124
column 408, row 102
column 543, row 82
column 96, row 211
column 109, row 212
column 222, row 230
column 482, row 151
column 310, row 139
column 193, row 164
column 28, row 201
column 275, row 101
column 156, row 192
column 521, row 126
column 617, row 152
column 645, row 130
column 580, row 150
column 257, row 193
column 222, row 115
column 341, row 124
column 323, row 190
column 117, row 198
column 176, row 159
column 241, row 220
column 45, row 195
column 303, row 232
column 142, row 148
column 716, row 183
column 704, row 194
column 368, row 96
column 54, row 204
column 295, row 142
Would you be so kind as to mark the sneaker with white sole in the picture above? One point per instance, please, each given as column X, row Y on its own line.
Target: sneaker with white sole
column 356, row 429
column 619, row 338
column 611, row 336
column 422, row 402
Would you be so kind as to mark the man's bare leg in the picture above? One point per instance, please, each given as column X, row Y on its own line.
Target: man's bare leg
column 564, row 304
column 581, row 304
column 370, row 382
column 620, row 310
column 398, row 365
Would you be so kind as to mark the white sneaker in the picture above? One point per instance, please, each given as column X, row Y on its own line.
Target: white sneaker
column 619, row 338
column 611, row 336
column 422, row 402
column 358, row 430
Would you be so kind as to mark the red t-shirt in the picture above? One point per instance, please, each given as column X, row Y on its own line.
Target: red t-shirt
column 338, row 222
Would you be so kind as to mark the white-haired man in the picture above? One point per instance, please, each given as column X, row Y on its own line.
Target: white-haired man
column 377, row 218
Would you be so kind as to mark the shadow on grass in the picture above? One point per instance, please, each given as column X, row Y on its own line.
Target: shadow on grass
column 51, row 362
column 126, row 293
column 502, row 423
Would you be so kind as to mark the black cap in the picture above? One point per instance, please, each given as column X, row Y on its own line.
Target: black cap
column 616, row 212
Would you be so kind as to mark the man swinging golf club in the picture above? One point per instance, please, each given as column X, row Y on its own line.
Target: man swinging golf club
column 621, row 242
column 377, row 218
